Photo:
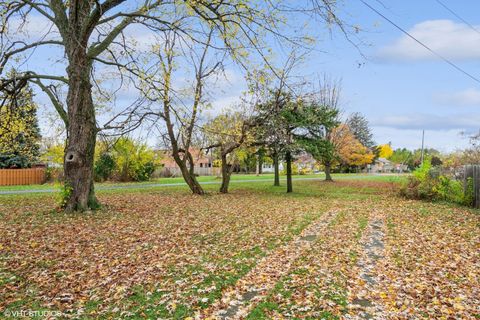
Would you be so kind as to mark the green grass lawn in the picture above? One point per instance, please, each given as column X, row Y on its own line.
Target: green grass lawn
column 205, row 179
column 164, row 253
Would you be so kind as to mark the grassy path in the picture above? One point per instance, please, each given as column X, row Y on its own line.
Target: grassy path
column 251, row 289
column 373, row 247
column 384, row 259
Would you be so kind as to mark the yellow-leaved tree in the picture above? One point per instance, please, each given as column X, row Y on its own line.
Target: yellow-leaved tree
column 384, row 151
column 229, row 134
column 351, row 152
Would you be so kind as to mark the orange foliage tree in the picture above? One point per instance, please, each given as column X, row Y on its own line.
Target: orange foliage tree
column 349, row 150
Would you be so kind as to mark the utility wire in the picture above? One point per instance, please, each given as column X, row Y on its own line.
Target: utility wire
column 458, row 16
column 421, row 43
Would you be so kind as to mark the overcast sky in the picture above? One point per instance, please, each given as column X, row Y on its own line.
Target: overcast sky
column 397, row 84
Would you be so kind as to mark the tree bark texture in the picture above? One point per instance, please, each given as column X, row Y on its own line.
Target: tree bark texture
column 288, row 159
column 276, row 181
column 328, row 169
column 226, row 174
column 81, row 128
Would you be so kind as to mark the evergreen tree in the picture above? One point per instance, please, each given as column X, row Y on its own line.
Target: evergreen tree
column 315, row 125
column 19, row 130
column 360, row 128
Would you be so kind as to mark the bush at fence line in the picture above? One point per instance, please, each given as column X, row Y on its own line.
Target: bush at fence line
column 54, row 174
column 428, row 183
column 14, row 161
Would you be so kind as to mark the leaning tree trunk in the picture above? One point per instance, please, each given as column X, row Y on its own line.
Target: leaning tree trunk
column 288, row 159
column 81, row 135
column 226, row 174
column 328, row 169
column 188, row 173
column 276, row 181
column 191, row 181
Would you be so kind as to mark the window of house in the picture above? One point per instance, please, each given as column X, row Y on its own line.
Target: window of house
column 201, row 165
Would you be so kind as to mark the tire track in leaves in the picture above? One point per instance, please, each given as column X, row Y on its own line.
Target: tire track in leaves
column 251, row 289
column 364, row 304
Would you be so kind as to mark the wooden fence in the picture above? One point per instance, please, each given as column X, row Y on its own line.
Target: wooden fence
column 11, row 177
column 472, row 171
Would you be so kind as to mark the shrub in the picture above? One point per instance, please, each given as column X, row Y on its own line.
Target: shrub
column 449, row 190
column 145, row 171
column 305, row 171
column 104, row 167
column 422, row 173
column 294, row 169
column 429, row 184
column 134, row 161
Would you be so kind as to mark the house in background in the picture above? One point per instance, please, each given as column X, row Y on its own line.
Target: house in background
column 304, row 162
column 269, row 168
column 382, row 165
column 203, row 164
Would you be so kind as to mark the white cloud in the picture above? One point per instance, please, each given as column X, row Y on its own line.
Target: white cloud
column 468, row 97
column 430, row 122
column 452, row 40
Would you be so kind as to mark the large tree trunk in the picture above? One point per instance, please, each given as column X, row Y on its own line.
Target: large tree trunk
column 328, row 169
column 288, row 160
column 276, row 181
column 81, row 135
column 226, row 174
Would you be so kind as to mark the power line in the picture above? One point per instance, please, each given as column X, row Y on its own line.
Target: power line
column 421, row 43
column 458, row 16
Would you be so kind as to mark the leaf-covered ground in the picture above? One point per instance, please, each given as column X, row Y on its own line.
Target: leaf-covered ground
column 349, row 249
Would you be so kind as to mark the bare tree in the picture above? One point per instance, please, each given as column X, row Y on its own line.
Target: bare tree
column 91, row 33
column 180, row 107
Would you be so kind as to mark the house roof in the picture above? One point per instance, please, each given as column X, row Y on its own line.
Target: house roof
column 383, row 160
column 197, row 154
